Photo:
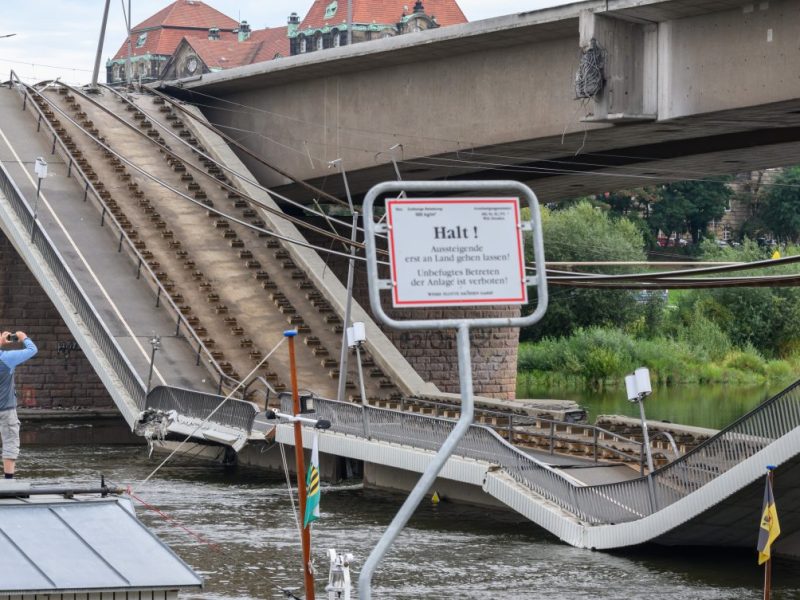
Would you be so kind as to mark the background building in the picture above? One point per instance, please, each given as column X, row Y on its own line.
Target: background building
column 325, row 25
column 154, row 40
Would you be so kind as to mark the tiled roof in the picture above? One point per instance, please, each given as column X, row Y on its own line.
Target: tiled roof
column 263, row 45
column 446, row 12
column 188, row 13
column 273, row 41
column 166, row 28
column 164, row 41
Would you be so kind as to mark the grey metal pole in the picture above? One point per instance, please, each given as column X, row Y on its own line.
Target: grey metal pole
column 429, row 476
column 648, row 453
column 128, row 66
column 35, row 207
column 155, row 342
column 349, row 22
column 361, row 375
column 96, row 71
column 349, row 300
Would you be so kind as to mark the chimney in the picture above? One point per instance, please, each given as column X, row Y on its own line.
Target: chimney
column 244, row 31
column 213, row 33
column 294, row 23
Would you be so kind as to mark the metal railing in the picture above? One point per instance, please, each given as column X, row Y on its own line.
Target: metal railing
column 607, row 503
column 552, row 433
column 238, row 414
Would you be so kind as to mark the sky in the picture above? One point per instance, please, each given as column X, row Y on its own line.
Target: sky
column 64, row 33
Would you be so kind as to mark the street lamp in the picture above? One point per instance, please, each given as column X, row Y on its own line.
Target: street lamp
column 155, row 342
column 40, row 167
column 356, row 336
column 637, row 386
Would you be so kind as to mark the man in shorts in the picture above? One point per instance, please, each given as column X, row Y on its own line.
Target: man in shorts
column 10, row 359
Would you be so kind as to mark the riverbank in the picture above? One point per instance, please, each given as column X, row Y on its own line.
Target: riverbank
column 599, row 358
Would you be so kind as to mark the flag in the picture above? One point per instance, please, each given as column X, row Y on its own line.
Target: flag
column 769, row 528
column 312, row 484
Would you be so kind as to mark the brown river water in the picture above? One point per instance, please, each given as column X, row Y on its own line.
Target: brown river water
column 448, row 551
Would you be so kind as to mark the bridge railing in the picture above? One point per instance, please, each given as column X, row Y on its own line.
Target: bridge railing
column 238, row 414
column 607, row 503
column 428, row 433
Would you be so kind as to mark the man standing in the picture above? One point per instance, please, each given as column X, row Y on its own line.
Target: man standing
column 9, row 422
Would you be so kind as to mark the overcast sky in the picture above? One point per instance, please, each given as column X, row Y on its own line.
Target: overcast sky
column 64, row 33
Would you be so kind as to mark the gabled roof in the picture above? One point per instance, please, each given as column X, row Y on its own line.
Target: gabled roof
column 274, row 41
column 165, row 29
column 188, row 13
column 164, row 41
column 264, row 44
column 387, row 12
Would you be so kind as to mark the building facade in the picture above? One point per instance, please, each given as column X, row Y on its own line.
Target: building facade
column 326, row 24
column 153, row 41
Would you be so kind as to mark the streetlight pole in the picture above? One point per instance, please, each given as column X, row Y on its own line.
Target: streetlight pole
column 637, row 386
column 155, row 342
column 40, row 167
column 349, row 22
column 96, row 71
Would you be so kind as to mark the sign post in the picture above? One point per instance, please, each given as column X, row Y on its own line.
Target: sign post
column 451, row 252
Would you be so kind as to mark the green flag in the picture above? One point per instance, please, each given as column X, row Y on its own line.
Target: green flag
column 312, row 485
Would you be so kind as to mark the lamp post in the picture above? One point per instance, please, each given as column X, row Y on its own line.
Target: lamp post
column 357, row 335
column 637, row 386
column 40, row 167
column 155, row 342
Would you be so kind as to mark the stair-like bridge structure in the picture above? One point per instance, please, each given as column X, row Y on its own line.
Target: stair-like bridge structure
column 153, row 227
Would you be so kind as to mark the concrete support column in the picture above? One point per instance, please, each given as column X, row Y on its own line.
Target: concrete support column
column 630, row 52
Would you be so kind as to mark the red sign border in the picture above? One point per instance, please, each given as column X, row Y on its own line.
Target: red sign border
column 398, row 303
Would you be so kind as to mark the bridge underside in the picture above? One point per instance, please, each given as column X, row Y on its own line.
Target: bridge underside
column 619, row 157
column 686, row 95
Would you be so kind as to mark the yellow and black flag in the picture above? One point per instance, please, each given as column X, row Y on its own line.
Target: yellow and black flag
column 770, row 527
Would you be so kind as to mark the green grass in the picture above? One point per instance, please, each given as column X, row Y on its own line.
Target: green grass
column 598, row 357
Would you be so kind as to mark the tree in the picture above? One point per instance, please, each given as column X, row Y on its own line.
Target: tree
column 780, row 210
column 689, row 206
column 585, row 233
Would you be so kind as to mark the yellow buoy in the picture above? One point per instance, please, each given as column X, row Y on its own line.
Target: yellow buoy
column 435, row 498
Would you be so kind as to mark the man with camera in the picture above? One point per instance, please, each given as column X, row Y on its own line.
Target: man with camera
column 11, row 356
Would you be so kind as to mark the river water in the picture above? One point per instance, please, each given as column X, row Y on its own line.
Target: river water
column 711, row 405
column 449, row 551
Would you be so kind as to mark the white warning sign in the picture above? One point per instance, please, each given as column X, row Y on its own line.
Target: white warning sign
column 456, row 251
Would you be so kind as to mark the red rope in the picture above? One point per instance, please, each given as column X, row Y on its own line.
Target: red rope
column 174, row 521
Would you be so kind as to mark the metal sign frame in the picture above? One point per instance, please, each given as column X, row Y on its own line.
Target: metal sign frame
column 462, row 327
column 376, row 283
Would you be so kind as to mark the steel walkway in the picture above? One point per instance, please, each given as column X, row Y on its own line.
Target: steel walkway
column 711, row 496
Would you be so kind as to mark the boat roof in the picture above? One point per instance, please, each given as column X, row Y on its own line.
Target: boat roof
column 49, row 544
